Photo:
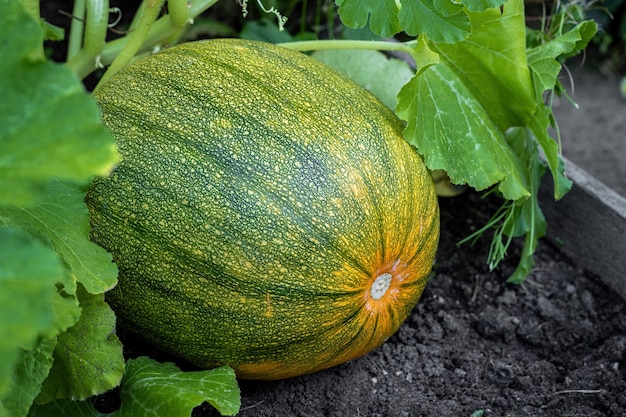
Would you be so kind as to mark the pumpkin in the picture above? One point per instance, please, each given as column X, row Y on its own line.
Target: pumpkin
column 266, row 213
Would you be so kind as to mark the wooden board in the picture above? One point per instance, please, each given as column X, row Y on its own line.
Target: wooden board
column 589, row 225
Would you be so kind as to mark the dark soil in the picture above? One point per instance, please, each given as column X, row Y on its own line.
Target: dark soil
column 553, row 346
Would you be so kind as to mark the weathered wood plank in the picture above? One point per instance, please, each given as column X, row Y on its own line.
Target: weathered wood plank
column 589, row 225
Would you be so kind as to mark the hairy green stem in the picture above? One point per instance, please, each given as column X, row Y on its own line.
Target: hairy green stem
column 137, row 16
column 96, row 26
column 179, row 12
column 135, row 40
column 159, row 33
column 317, row 45
column 86, row 60
column 77, row 27
column 94, row 38
column 82, row 64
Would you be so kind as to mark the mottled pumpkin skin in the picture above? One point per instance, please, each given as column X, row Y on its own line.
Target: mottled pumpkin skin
column 259, row 196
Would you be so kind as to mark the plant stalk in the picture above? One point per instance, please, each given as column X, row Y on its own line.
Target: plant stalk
column 135, row 40
column 316, row 45
column 96, row 26
column 179, row 12
column 77, row 27
column 158, row 34
column 94, row 38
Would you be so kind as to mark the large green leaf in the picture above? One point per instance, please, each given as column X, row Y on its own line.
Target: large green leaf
column 28, row 272
column 382, row 76
column 153, row 389
column 458, row 110
column 32, row 367
column 492, row 64
column 482, row 5
column 440, row 20
column 33, row 311
column 88, row 357
column 448, row 125
column 49, row 125
column 382, row 15
column 61, row 218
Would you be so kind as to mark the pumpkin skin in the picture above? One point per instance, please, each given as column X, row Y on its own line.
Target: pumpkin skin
column 266, row 213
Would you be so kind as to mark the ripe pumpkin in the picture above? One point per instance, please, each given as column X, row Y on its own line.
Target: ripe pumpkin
column 266, row 213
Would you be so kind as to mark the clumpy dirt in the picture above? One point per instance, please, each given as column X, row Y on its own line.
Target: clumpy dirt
column 553, row 346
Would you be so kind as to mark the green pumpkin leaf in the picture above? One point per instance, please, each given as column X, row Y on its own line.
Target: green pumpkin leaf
column 28, row 272
column 382, row 16
column 32, row 367
column 440, row 20
column 62, row 219
column 424, row 56
column 482, row 5
column 382, row 76
column 448, row 125
column 52, row 32
column 153, row 389
column 88, row 357
column 66, row 408
column 543, row 58
column 458, row 110
column 33, row 311
column 49, row 125
column 492, row 64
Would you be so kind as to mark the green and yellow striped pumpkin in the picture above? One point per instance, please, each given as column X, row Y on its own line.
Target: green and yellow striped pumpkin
column 266, row 212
